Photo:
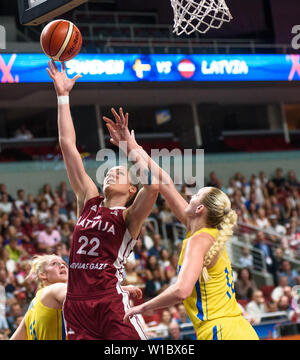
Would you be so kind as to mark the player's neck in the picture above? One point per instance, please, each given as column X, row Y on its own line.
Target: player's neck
column 196, row 224
column 114, row 201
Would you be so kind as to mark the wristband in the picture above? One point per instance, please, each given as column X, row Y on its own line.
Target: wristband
column 63, row 100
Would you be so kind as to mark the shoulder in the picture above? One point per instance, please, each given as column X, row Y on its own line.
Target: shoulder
column 53, row 289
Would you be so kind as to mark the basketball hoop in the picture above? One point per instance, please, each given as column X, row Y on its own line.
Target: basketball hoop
column 199, row 15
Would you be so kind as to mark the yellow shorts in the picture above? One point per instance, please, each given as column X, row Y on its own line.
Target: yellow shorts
column 227, row 328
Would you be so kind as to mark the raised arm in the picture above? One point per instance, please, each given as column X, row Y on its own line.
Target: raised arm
column 166, row 185
column 136, row 214
column 82, row 185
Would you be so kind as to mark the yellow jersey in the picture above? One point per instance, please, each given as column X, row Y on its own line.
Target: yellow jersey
column 42, row 322
column 215, row 298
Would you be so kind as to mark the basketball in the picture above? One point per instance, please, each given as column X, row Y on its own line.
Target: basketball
column 61, row 40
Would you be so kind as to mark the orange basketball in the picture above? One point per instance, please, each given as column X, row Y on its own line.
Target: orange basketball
column 61, row 40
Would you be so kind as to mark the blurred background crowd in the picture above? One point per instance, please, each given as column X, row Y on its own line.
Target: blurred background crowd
column 269, row 222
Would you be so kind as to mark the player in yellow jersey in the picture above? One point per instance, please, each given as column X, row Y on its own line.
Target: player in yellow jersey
column 204, row 283
column 44, row 318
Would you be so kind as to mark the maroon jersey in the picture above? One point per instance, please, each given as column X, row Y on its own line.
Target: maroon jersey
column 101, row 244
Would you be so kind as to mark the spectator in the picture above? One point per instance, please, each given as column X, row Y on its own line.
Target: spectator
column 3, row 190
column 164, row 259
column 175, row 334
column 257, row 306
column 48, row 195
column 66, row 233
column 275, row 227
column 246, row 260
column 43, row 213
column 262, row 221
column 65, row 196
column 62, row 251
column 14, row 249
column 272, row 306
column 183, row 317
column 4, row 328
column 166, row 319
column 278, row 290
column 146, row 239
column 155, row 285
column 213, row 180
column 171, row 270
column 30, row 205
column 268, row 254
column 291, row 180
column 284, row 305
column 23, row 133
column 245, row 285
column 5, row 205
column 278, row 179
column 48, row 239
column 15, row 311
column 131, row 276
column 157, row 247
column 290, row 273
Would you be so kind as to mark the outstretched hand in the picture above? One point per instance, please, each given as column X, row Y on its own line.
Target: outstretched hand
column 63, row 85
column 118, row 130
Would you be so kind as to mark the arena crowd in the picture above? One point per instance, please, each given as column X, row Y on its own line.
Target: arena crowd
column 269, row 220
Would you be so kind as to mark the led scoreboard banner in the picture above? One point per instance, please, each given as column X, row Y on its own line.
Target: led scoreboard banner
column 31, row 68
column 36, row 12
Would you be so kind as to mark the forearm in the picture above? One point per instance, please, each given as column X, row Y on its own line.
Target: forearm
column 66, row 129
column 137, row 153
column 171, row 296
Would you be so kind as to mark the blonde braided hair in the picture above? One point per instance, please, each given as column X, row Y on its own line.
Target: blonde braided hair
column 219, row 215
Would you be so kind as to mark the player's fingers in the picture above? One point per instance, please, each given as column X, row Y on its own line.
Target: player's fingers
column 126, row 119
column 122, row 117
column 132, row 134
column 116, row 115
column 63, row 66
column 108, row 121
column 50, row 74
column 54, row 65
column 51, row 67
column 76, row 77
column 113, row 142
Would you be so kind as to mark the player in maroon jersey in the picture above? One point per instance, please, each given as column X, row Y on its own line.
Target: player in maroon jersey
column 104, row 236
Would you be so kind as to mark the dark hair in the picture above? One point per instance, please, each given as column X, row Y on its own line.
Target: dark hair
column 240, row 273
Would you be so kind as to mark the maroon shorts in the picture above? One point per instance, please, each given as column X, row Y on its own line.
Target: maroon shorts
column 100, row 317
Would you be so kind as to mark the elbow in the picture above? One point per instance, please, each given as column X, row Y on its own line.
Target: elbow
column 65, row 143
column 183, row 292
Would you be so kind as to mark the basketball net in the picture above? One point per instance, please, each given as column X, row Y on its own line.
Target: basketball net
column 199, row 15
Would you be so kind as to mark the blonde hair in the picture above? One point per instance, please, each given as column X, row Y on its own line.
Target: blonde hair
column 219, row 215
column 38, row 265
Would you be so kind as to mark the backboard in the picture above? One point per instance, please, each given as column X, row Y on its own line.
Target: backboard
column 36, row 12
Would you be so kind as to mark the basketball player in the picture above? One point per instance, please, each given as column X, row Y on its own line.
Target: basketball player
column 103, row 238
column 205, row 283
column 44, row 318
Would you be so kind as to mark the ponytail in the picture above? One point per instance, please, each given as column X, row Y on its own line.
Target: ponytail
column 221, row 216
